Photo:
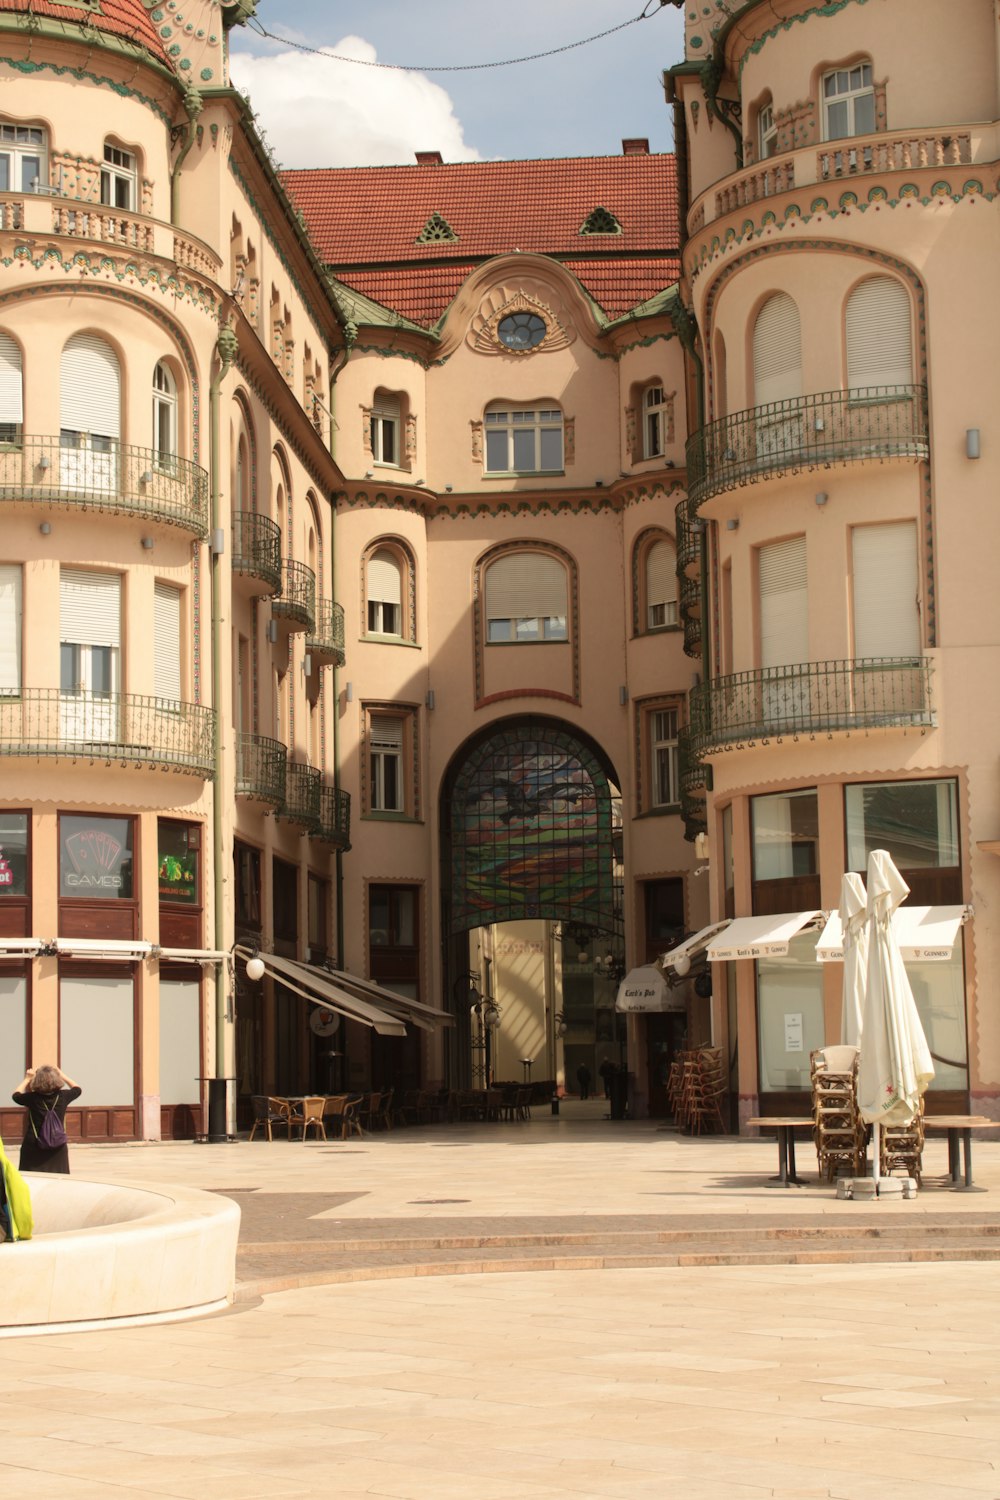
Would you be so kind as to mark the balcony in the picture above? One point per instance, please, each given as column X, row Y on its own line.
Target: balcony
column 868, row 425
column 121, row 480
column 334, row 817
column 693, row 780
column 51, row 211
column 297, row 602
column 689, row 533
column 326, row 639
column 257, row 551
column 748, row 708
column 114, row 729
column 260, row 769
column 303, row 789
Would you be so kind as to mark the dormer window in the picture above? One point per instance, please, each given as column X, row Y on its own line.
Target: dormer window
column 848, row 102
column 385, row 429
column 119, row 178
column 22, row 159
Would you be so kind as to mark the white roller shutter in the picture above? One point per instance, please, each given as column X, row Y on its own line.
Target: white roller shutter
column 784, row 604
column 90, row 608
column 91, row 387
column 384, row 584
column 167, row 642
column 886, row 586
column 777, row 352
column 525, row 586
column 879, row 341
column 386, row 732
column 11, row 382
column 661, row 574
column 10, row 629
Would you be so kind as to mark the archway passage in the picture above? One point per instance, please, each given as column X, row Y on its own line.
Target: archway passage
column 529, row 829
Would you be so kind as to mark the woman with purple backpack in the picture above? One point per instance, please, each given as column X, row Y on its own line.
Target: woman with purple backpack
column 45, row 1093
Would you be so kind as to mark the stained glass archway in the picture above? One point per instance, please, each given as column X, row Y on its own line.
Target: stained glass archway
column 528, row 830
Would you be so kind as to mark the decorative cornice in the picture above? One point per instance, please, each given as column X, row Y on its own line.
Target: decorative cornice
column 82, row 75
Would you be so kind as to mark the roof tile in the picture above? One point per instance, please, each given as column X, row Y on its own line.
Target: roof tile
column 123, row 18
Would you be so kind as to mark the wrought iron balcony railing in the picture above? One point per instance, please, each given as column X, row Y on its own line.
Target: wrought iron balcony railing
column 303, row 786
column 334, row 817
column 260, row 769
column 688, row 540
column 690, row 602
column 693, row 780
column 875, row 692
column 115, row 477
column 113, row 728
column 867, row 425
column 297, row 602
column 257, row 548
column 326, row 639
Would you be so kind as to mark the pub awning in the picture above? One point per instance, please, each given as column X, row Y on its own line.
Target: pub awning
column 643, row 991
column 426, row 1017
column 759, row 937
column 319, row 989
column 695, row 945
column 924, row 933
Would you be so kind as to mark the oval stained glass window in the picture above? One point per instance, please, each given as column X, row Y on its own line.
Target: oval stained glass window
column 522, row 330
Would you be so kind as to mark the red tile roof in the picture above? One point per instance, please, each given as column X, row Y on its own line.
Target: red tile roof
column 122, row 18
column 366, row 221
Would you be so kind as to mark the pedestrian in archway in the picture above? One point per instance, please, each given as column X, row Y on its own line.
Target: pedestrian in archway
column 583, row 1079
column 607, row 1071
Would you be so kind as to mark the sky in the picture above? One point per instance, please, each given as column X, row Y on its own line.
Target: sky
column 317, row 112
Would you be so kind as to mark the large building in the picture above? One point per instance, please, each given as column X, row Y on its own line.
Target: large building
column 838, row 168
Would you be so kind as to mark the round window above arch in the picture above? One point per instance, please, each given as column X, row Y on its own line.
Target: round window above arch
column 521, row 330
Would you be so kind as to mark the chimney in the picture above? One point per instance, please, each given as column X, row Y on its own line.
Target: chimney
column 635, row 145
column 433, row 158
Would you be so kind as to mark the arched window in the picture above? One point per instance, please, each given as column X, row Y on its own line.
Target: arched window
column 526, row 599
column 384, row 593
column 523, row 440
column 767, row 131
column 660, row 576
column 164, row 415
column 90, row 413
column 119, row 178
column 23, row 158
column 11, row 390
column 878, row 334
column 848, row 100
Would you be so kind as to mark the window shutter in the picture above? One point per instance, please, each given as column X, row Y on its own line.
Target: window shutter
column 386, row 732
column 524, row 586
column 384, row 583
column 90, row 608
column 784, row 604
column 11, row 400
column 661, row 574
column 879, row 344
column 91, row 387
column 10, row 629
column 167, row 642
column 886, row 585
column 777, row 352
column 386, row 406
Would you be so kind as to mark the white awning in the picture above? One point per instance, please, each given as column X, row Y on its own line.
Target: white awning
column 693, row 946
column 107, row 950
column 19, row 947
column 427, row 1017
column 924, row 933
column 644, row 990
column 319, row 989
column 759, row 937
column 192, row 955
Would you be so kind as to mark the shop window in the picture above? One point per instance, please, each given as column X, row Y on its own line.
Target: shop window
column 180, row 863
column 784, row 831
column 13, row 854
column 848, row 101
column 95, row 858
column 523, row 440
column 96, row 1035
column 13, row 1022
column 246, row 879
column 526, row 599
column 790, row 1016
column 917, row 823
column 23, row 159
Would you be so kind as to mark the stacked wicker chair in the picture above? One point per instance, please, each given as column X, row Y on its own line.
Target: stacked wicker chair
column 696, row 1089
column 901, row 1146
column 838, row 1130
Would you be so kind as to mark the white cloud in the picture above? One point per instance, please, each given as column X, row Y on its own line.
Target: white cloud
column 318, row 113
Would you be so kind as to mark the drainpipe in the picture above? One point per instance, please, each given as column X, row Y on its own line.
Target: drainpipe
column 350, row 337
column 194, row 104
column 227, row 349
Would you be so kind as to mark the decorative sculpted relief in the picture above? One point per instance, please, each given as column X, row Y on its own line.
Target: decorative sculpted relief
column 528, row 296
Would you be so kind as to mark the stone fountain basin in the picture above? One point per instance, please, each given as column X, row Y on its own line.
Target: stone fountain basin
column 104, row 1252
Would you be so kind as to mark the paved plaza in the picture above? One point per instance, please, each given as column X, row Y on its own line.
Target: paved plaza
column 384, row 1371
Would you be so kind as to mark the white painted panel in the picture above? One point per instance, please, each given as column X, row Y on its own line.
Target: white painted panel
column 97, row 1036
column 180, row 1041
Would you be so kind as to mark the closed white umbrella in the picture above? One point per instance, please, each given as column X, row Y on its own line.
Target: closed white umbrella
column 895, row 1066
column 854, row 924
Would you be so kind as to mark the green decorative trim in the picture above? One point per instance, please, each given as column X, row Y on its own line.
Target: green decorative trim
column 437, row 231
column 830, row 8
column 25, row 65
column 432, row 507
column 653, row 338
column 122, row 270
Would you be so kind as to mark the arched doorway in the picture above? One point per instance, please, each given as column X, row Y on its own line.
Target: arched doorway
column 532, row 886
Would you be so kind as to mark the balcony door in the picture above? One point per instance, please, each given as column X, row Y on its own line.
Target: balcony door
column 887, row 643
column 90, row 416
column 777, row 377
column 784, row 634
column 89, row 655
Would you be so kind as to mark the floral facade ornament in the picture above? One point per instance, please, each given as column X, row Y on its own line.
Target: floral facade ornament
column 569, row 441
column 409, row 440
column 437, row 231
column 477, row 441
column 600, row 221
column 538, row 300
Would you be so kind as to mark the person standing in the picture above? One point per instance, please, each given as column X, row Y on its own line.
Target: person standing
column 45, row 1092
column 607, row 1071
column 583, row 1079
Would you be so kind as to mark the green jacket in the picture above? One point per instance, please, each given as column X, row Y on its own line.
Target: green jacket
column 18, row 1199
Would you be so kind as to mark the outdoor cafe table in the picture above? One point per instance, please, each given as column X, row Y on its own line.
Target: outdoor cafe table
column 960, row 1128
column 785, row 1125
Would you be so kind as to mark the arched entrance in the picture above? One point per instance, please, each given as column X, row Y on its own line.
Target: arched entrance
column 531, row 904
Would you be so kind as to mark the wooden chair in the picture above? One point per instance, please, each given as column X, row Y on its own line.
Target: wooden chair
column 385, row 1119
column 312, row 1114
column 344, row 1110
column 269, row 1112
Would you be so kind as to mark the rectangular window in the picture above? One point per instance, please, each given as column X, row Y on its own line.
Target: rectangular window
column 96, row 1029
column 663, row 757
column 886, row 585
column 118, row 179
column 22, row 159
column 383, row 619
column 785, row 835
column 89, row 654
column 180, row 862
column 10, row 630
column 848, row 102
column 524, row 442
column 392, row 916
column 95, row 858
column 167, row 642
column 285, row 880
column 767, row 132
column 180, row 1040
column 385, row 748
column 916, row 821
column 654, row 408
column 319, row 925
column 13, row 854
column 385, row 439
